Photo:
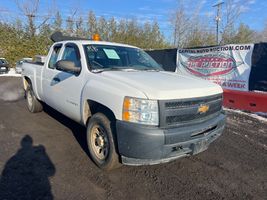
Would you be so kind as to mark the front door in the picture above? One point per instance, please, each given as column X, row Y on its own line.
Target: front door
column 66, row 87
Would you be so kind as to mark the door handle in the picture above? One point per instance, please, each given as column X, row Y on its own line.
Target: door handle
column 56, row 79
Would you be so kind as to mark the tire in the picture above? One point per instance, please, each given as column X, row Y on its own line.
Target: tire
column 33, row 104
column 101, row 143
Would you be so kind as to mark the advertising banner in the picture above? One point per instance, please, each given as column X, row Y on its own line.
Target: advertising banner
column 228, row 65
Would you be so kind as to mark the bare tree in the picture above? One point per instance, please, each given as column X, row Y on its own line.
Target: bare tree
column 80, row 31
column 183, row 23
column 112, row 26
column 30, row 9
column 190, row 28
column 262, row 36
column 91, row 24
column 69, row 26
column 180, row 23
column 70, row 22
column 57, row 24
column 103, row 28
column 233, row 10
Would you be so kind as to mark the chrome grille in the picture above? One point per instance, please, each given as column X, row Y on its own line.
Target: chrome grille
column 180, row 112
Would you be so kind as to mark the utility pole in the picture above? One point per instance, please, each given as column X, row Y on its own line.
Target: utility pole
column 218, row 19
column 32, row 28
column 69, row 25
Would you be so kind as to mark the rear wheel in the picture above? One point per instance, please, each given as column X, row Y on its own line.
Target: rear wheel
column 33, row 104
column 101, row 144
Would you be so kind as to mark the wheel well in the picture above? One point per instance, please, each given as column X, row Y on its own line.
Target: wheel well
column 92, row 107
column 26, row 82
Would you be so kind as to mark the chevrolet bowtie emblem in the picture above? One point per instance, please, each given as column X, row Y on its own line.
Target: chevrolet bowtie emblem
column 203, row 108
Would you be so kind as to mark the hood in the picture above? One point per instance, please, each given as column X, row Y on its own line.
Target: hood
column 164, row 85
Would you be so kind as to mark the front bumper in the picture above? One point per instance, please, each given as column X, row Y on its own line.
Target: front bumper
column 146, row 145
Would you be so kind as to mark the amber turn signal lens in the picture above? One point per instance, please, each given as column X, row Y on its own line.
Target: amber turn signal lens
column 126, row 116
column 126, row 104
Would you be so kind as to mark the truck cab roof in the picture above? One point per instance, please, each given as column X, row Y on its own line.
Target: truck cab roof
column 59, row 38
column 87, row 42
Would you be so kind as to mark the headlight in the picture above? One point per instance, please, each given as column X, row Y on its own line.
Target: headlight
column 141, row 111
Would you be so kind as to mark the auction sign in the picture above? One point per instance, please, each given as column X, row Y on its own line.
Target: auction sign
column 228, row 65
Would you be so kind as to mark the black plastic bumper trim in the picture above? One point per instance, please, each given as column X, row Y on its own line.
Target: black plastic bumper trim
column 139, row 144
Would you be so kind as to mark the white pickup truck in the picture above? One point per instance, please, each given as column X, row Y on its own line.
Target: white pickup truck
column 135, row 112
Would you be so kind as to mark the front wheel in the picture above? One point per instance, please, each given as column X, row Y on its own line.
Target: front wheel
column 101, row 144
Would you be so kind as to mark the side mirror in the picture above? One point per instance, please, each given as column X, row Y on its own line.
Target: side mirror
column 67, row 66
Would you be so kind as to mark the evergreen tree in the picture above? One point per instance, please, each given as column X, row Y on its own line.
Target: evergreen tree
column 244, row 34
column 19, row 42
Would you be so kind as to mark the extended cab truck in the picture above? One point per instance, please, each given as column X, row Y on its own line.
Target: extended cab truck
column 135, row 112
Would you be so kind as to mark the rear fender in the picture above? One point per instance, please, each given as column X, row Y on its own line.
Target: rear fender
column 29, row 81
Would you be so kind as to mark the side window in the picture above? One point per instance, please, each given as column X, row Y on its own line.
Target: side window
column 54, row 57
column 72, row 54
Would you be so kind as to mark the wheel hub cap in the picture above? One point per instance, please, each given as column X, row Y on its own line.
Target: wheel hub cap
column 99, row 142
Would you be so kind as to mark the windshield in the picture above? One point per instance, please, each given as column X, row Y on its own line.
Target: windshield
column 3, row 61
column 107, row 57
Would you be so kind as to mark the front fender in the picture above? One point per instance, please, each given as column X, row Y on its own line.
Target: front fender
column 110, row 94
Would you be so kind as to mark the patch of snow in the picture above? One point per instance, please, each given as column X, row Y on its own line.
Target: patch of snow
column 259, row 116
column 262, row 114
column 10, row 92
column 11, row 72
column 258, row 91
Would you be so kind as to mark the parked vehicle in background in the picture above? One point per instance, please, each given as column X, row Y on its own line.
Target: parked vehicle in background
column 19, row 64
column 4, row 66
column 135, row 112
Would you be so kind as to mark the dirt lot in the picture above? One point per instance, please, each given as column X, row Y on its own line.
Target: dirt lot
column 44, row 156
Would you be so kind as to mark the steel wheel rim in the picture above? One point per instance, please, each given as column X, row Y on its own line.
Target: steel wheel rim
column 99, row 142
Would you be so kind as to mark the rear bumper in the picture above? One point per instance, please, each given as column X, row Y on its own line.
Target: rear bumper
column 145, row 145
column 4, row 70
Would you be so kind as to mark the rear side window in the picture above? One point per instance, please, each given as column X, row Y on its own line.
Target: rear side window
column 54, row 57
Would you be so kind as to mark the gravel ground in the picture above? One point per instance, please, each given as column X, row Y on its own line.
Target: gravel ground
column 44, row 156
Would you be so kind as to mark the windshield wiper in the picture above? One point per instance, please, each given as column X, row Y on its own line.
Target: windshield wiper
column 152, row 70
column 98, row 64
column 124, row 69
column 114, row 69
